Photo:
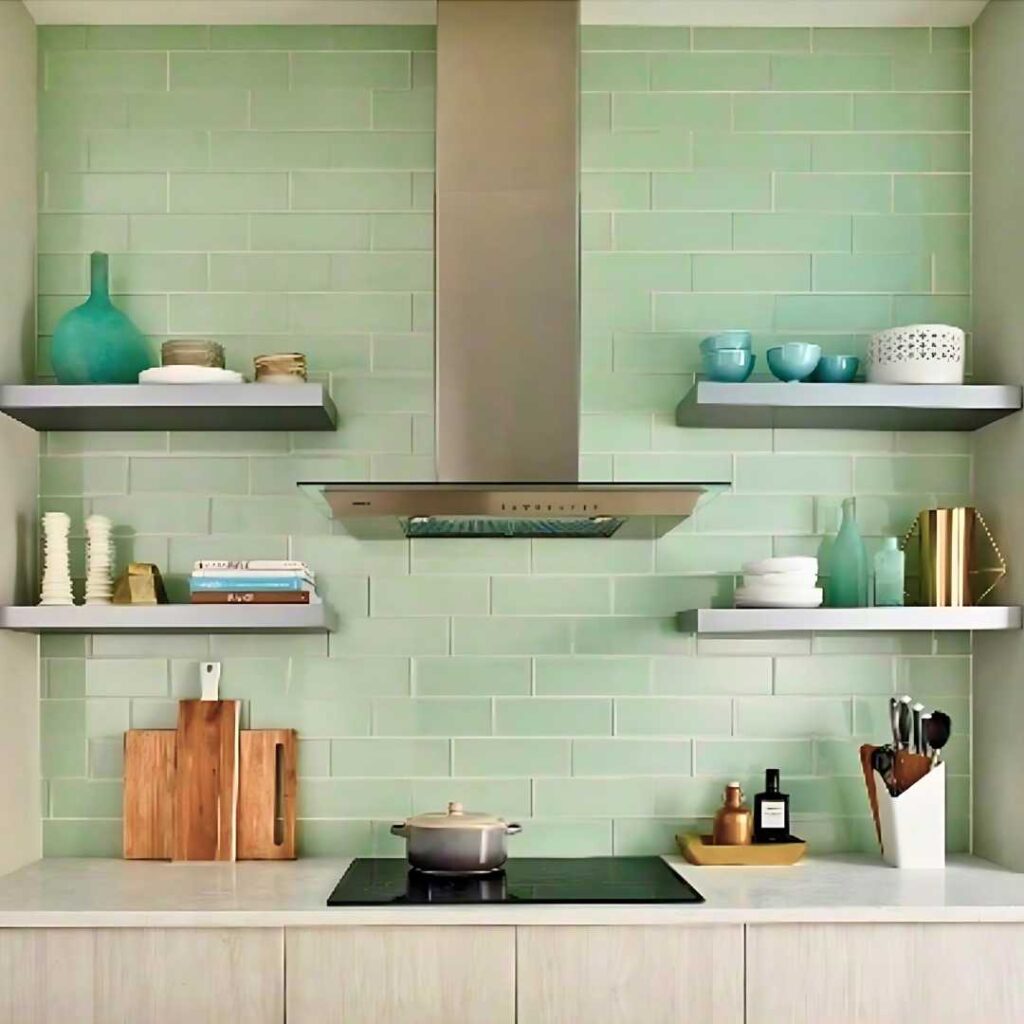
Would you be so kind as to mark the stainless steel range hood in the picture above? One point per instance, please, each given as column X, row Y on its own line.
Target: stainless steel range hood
column 507, row 267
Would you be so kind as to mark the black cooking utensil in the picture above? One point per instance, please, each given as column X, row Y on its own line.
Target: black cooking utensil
column 906, row 723
column 937, row 732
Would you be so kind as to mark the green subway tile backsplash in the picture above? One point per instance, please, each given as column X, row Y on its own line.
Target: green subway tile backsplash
column 272, row 187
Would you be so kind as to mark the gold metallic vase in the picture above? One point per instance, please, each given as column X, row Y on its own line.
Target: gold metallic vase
column 947, row 563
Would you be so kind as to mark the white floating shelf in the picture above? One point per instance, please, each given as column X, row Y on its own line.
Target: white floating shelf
column 847, row 406
column 170, row 406
column 709, row 621
column 169, row 618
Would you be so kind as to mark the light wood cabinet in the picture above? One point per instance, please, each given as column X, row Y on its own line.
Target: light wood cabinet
column 401, row 975
column 141, row 975
column 857, row 973
column 642, row 975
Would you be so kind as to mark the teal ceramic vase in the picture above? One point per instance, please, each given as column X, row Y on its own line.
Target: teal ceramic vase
column 848, row 564
column 95, row 343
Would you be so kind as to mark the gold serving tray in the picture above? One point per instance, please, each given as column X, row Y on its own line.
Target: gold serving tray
column 700, row 850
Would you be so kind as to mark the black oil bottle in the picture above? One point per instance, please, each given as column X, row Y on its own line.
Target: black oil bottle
column 771, row 811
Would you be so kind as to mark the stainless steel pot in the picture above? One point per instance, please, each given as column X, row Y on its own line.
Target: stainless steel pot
column 456, row 842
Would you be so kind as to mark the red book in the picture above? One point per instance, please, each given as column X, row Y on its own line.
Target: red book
column 251, row 597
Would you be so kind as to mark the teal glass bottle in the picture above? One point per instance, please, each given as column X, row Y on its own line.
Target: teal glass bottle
column 95, row 343
column 848, row 564
column 889, row 572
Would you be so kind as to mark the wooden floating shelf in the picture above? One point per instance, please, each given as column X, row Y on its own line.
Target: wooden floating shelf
column 709, row 621
column 169, row 618
column 170, row 406
column 847, row 406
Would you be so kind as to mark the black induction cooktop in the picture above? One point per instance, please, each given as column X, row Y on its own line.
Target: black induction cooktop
column 377, row 881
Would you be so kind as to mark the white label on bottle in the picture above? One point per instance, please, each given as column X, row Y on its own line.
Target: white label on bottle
column 773, row 814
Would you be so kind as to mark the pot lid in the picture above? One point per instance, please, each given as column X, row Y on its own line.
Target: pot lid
column 456, row 817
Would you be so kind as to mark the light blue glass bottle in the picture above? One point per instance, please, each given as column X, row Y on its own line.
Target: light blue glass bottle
column 889, row 571
column 848, row 564
column 95, row 343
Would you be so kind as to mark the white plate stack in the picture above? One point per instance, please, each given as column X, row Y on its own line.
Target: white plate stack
column 780, row 583
column 98, row 586
column 56, row 589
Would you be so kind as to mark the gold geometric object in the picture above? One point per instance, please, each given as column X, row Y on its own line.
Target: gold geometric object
column 947, row 557
column 140, row 583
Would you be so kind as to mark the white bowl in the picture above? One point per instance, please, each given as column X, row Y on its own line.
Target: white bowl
column 916, row 354
column 778, row 597
column 796, row 564
column 793, row 580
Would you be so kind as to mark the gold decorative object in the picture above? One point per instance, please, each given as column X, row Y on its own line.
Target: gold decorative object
column 947, row 559
column 140, row 583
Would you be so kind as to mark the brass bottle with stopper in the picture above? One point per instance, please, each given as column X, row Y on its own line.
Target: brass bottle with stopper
column 734, row 824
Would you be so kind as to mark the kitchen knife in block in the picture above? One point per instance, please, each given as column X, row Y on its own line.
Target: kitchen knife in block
column 206, row 780
column 266, row 795
column 149, row 756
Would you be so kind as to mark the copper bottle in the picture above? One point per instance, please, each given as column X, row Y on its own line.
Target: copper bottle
column 734, row 824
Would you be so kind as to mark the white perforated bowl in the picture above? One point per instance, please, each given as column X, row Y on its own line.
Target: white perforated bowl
column 918, row 354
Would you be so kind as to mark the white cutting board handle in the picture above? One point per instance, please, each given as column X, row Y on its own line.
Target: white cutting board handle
column 209, row 677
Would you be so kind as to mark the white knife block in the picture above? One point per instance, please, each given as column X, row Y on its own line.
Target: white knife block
column 913, row 824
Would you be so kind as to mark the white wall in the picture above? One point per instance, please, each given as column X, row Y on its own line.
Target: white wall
column 19, row 654
column 999, row 460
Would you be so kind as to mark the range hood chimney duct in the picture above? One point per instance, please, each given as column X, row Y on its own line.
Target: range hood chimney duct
column 507, row 365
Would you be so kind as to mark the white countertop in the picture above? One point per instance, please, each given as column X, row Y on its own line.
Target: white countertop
column 116, row 893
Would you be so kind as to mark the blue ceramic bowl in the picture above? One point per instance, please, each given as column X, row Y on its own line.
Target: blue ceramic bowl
column 728, row 365
column 796, row 360
column 726, row 340
column 836, row 369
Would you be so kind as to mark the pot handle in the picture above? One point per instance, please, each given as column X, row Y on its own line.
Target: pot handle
column 400, row 830
column 513, row 830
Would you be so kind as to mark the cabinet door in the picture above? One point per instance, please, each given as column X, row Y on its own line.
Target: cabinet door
column 854, row 973
column 141, row 976
column 456, row 975
column 646, row 975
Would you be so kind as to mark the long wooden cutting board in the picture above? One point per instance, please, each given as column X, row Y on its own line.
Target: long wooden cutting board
column 206, row 780
column 266, row 796
column 149, row 756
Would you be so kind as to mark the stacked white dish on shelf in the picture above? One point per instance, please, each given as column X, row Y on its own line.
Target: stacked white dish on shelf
column 780, row 583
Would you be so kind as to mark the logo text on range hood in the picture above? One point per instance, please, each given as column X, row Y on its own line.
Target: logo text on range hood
column 507, row 368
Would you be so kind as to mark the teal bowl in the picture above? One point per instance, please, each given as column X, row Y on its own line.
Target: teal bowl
column 728, row 365
column 836, row 369
column 796, row 360
column 726, row 340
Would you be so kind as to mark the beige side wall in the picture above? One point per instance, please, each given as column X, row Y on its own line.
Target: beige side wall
column 999, row 463
column 19, row 654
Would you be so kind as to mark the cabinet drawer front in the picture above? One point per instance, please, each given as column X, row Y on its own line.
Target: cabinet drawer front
column 411, row 975
column 647, row 975
column 854, row 973
column 142, row 975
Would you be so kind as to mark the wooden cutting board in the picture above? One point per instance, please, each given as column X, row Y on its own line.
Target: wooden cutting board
column 266, row 795
column 149, row 756
column 206, row 780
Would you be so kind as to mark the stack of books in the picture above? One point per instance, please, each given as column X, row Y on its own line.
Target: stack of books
column 252, row 582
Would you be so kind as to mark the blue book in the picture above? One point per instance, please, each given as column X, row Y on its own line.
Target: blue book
column 200, row 583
